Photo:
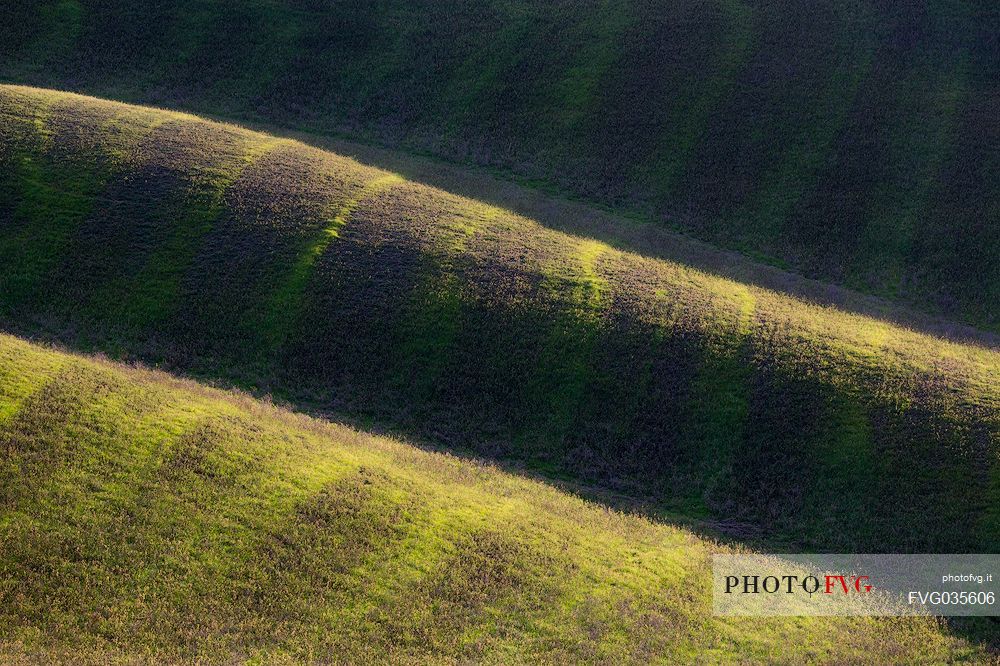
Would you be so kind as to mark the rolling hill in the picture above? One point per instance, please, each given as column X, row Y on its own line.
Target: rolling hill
column 145, row 519
column 852, row 141
column 354, row 292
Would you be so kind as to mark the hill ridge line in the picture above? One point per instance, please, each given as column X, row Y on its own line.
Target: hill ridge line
column 128, row 491
column 480, row 329
column 626, row 234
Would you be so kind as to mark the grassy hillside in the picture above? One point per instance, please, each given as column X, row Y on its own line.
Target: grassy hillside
column 346, row 289
column 852, row 140
column 146, row 519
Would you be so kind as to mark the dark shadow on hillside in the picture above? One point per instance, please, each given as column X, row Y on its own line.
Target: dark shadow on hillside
column 75, row 340
column 977, row 630
column 556, row 211
column 553, row 208
column 723, row 526
column 758, row 503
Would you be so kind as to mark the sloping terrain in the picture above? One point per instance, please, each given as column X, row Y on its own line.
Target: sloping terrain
column 349, row 290
column 855, row 141
column 145, row 519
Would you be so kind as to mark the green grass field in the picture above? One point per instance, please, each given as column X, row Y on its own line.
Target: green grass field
column 355, row 293
column 443, row 332
column 852, row 141
column 149, row 519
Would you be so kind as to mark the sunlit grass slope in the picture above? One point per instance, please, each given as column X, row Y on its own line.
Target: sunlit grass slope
column 294, row 271
column 854, row 140
column 143, row 518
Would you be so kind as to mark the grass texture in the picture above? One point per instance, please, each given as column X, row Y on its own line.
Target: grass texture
column 855, row 141
column 347, row 290
column 146, row 519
